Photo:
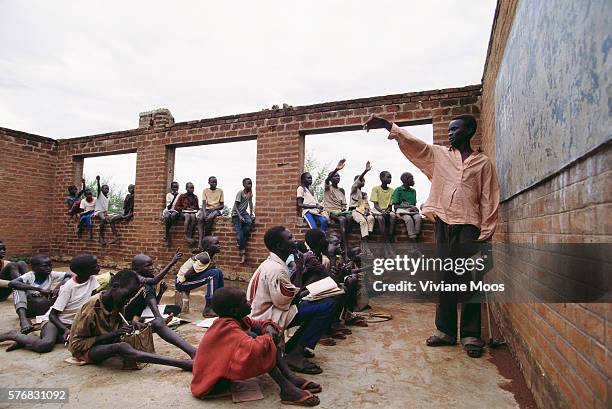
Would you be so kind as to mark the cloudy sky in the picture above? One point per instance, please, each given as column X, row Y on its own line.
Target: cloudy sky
column 79, row 68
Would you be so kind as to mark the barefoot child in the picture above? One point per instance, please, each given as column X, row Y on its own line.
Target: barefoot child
column 243, row 220
column 308, row 205
column 236, row 347
column 142, row 265
column 57, row 321
column 170, row 214
column 334, row 202
column 383, row 206
column 187, row 205
column 127, row 215
column 97, row 329
column 33, row 293
column 212, row 205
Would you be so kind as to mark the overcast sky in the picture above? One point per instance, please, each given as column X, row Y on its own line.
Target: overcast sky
column 78, row 68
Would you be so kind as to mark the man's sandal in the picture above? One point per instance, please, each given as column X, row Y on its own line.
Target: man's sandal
column 436, row 341
column 311, row 387
column 307, row 400
column 473, row 351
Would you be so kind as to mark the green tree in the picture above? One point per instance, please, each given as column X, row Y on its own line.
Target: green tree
column 116, row 194
column 319, row 172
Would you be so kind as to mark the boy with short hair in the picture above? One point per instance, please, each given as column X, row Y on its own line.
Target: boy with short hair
column 128, row 213
column 237, row 347
column 212, row 205
column 170, row 214
column 198, row 270
column 142, row 265
column 88, row 206
column 97, row 330
column 243, row 220
column 73, row 200
column 101, row 208
column 404, row 202
column 359, row 207
column 57, row 321
column 187, row 204
column 9, row 271
column 383, row 206
column 334, row 202
column 34, row 293
column 308, row 205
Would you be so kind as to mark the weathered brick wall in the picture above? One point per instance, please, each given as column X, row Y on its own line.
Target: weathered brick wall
column 27, row 167
column 280, row 156
column 564, row 350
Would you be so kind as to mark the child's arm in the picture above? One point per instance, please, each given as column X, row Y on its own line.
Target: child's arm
column 80, row 193
column 54, row 318
column 98, row 183
column 160, row 276
column 19, row 285
column 331, row 174
column 368, row 167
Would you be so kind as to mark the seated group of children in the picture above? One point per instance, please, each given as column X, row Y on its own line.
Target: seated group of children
column 187, row 205
column 88, row 207
column 388, row 204
column 92, row 314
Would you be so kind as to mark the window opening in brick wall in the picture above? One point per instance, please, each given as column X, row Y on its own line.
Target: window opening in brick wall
column 324, row 150
column 230, row 162
column 116, row 171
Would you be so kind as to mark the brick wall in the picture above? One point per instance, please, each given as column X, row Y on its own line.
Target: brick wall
column 564, row 350
column 280, row 159
column 27, row 166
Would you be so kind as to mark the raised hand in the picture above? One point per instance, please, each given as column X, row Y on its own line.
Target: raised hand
column 340, row 164
column 375, row 122
column 177, row 256
column 368, row 166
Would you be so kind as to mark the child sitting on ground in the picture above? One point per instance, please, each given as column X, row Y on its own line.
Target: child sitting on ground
column 9, row 271
column 198, row 270
column 142, row 265
column 236, row 347
column 34, row 293
column 57, row 321
column 97, row 330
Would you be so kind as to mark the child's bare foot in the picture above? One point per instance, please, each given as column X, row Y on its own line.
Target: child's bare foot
column 26, row 326
column 8, row 336
column 208, row 312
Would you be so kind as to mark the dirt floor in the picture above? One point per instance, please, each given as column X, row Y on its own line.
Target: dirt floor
column 384, row 366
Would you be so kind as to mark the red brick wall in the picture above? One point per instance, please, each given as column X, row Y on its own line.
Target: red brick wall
column 564, row 350
column 27, row 167
column 280, row 157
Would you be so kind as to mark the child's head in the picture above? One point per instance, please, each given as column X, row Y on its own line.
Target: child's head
column 2, row 250
column 359, row 182
column 306, row 179
column 247, row 183
column 174, row 187
column 316, row 240
column 88, row 195
column 385, row 177
column 212, row 182
column 335, row 179
column 334, row 247
column 300, row 245
column 354, row 253
column 41, row 264
column 189, row 188
column 72, row 190
column 105, row 189
column 131, row 189
column 84, row 265
column 211, row 245
column 143, row 265
column 279, row 241
column 407, row 179
column 123, row 287
column 231, row 302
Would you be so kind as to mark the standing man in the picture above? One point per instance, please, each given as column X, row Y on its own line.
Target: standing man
column 463, row 203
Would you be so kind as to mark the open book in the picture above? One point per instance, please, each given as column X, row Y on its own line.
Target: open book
column 323, row 289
